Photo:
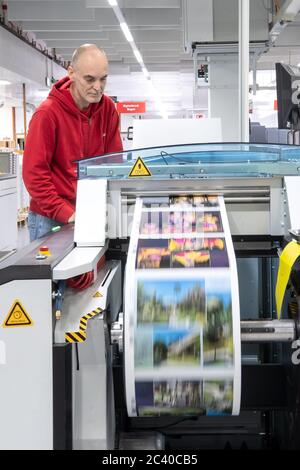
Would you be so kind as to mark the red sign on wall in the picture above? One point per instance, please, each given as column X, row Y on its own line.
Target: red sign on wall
column 131, row 107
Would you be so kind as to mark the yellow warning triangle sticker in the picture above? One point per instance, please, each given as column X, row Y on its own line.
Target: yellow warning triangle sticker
column 139, row 169
column 17, row 316
column 97, row 294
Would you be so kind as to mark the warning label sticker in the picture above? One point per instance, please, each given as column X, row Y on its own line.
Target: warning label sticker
column 17, row 316
column 97, row 294
column 139, row 169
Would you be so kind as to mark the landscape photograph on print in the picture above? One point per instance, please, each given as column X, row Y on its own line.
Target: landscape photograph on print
column 218, row 347
column 169, row 398
column 182, row 253
column 184, row 397
column 179, row 302
column 179, row 222
column 162, row 346
column 173, row 347
column 218, row 397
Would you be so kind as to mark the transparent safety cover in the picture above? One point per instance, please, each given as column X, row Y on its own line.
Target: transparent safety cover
column 197, row 160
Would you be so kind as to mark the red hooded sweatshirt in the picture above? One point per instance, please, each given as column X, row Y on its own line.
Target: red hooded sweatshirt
column 59, row 133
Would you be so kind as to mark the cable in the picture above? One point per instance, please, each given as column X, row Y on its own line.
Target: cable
column 162, row 153
column 161, row 428
column 83, row 281
column 77, row 356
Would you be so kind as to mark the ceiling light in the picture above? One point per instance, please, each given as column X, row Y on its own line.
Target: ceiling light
column 126, row 32
column 138, row 56
column 4, row 82
column 145, row 72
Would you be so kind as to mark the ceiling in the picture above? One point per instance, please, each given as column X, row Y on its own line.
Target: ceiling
column 158, row 30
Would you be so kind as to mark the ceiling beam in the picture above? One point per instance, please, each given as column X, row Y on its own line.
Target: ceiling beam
column 47, row 11
column 135, row 4
column 142, row 17
column 71, row 35
column 69, row 43
column 72, row 26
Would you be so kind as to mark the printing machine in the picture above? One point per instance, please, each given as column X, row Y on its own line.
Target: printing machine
column 61, row 349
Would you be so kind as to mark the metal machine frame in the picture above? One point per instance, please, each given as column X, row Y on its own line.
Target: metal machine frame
column 74, row 390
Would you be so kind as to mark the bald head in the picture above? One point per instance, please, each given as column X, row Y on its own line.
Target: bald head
column 88, row 72
column 87, row 50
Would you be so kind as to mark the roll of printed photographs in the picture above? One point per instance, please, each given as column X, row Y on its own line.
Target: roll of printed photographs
column 182, row 320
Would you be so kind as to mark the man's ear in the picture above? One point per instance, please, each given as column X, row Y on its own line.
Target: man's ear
column 70, row 72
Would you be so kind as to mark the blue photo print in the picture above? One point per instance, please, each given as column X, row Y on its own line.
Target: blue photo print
column 176, row 347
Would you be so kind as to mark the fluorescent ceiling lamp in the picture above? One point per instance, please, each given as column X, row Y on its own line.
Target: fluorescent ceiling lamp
column 113, row 3
column 145, row 72
column 126, row 32
column 4, row 82
column 138, row 56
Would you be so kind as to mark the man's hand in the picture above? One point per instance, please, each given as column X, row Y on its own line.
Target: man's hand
column 72, row 218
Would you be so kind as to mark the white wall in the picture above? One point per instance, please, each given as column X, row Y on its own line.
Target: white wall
column 161, row 132
column 6, row 131
column 19, row 57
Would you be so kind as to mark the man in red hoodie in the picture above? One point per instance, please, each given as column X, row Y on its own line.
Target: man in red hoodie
column 76, row 121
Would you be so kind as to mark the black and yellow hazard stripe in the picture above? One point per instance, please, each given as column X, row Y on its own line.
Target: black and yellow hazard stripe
column 75, row 337
column 80, row 336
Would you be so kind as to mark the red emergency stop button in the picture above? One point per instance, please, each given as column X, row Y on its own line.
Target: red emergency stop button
column 44, row 250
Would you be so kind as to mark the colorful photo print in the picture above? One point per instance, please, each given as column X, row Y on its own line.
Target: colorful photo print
column 173, row 398
column 150, row 223
column 185, row 244
column 181, row 253
column 183, row 201
column 208, row 222
column 155, row 223
column 194, row 201
column 206, row 201
column 218, row 397
column 217, row 332
column 176, row 347
column 179, row 222
column 201, row 252
column 190, row 259
column 153, row 254
column 179, row 302
column 153, row 258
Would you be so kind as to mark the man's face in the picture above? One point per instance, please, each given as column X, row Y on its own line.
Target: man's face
column 89, row 77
